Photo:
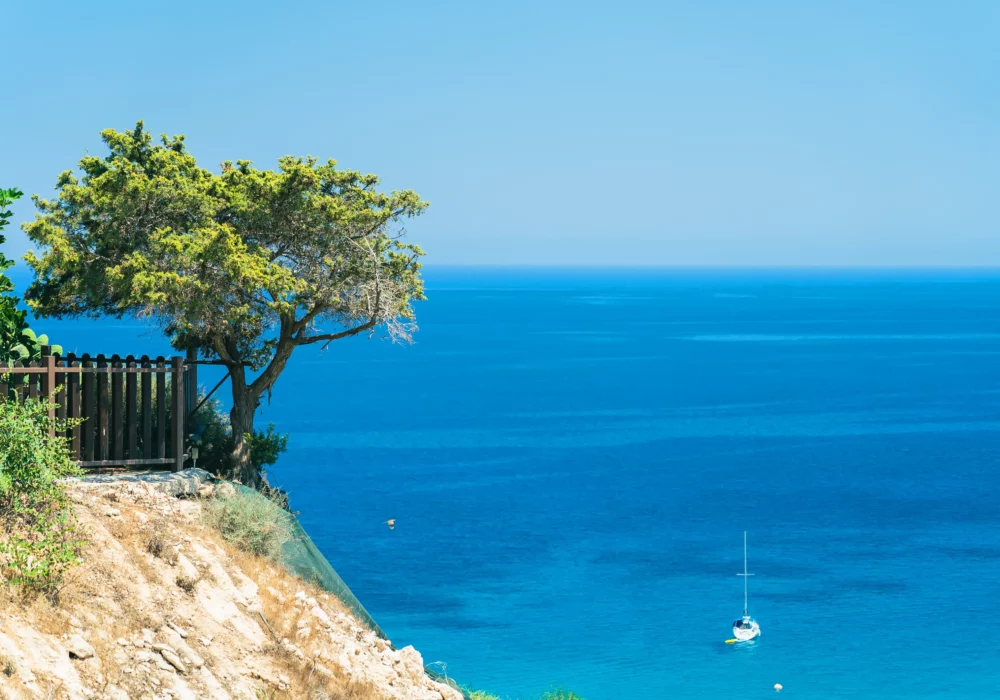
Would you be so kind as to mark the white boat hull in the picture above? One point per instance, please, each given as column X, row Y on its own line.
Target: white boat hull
column 749, row 630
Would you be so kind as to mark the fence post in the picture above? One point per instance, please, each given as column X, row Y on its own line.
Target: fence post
column 50, row 387
column 192, row 380
column 177, row 390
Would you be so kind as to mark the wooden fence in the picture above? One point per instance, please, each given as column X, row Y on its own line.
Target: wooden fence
column 123, row 404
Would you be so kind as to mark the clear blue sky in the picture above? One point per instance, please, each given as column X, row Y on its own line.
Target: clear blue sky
column 664, row 133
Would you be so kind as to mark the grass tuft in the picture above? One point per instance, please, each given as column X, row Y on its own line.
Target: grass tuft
column 251, row 522
column 187, row 583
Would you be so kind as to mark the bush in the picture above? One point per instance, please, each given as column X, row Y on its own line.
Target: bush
column 560, row 695
column 17, row 341
column 250, row 521
column 216, row 444
column 38, row 541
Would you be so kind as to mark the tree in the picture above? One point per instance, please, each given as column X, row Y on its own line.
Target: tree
column 11, row 319
column 17, row 341
column 244, row 266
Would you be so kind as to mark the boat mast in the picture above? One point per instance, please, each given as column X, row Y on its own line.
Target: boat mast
column 744, row 574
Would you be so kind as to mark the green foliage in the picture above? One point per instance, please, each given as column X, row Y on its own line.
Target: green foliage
column 38, row 542
column 250, row 521
column 12, row 320
column 216, row 444
column 7, row 197
column 17, row 341
column 29, row 347
column 550, row 695
column 246, row 265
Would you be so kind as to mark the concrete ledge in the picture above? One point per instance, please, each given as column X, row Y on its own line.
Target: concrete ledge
column 182, row 483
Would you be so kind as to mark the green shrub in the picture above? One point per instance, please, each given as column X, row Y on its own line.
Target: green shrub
column 550, row 695
column 38, row 542
column 250, row 521
column 216, row 444
column 17, row 341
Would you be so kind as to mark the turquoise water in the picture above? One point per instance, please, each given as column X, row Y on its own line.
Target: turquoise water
column 572, row 457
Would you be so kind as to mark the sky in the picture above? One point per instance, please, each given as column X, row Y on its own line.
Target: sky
column 557, row 133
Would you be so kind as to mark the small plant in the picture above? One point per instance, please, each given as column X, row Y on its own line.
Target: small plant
column 250, row 521
column 7, row 666
column 38, row 540
column 482, row 695
column 157, row 545
column 560, row 694
column 187, row 583
column 216, row 445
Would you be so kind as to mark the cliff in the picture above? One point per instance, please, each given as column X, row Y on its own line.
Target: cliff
column 162, row 607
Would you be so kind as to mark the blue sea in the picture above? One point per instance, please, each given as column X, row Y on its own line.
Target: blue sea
column 572, row 457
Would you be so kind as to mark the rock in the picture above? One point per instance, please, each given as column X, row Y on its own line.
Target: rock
column 173, row 660
column 274, row 681
column 122, row 641
column 183, row 634
column 205, row 642
column 78, row 648
column 224, row 490
column 113, row 692
column 163, row 647
column 412, row 662
column 277, row 595
column 318, row 613
column 112, row 513
column 206, row 490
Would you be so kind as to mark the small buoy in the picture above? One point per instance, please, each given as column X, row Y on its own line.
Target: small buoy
column 391, row 524
column 777, row 686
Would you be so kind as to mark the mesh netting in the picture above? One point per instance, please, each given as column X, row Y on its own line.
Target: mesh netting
column 303, row 559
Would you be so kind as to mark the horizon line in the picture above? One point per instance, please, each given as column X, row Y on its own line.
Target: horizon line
column 708, row 266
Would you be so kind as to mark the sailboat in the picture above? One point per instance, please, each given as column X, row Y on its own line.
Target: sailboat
column 746, row 628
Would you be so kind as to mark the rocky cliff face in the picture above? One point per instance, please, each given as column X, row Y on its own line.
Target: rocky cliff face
column 161, row 607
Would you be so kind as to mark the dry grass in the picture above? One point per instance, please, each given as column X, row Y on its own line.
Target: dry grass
column 8, row 667
column 47, row 616
column 188, row 583
column 104, row 598
column 281, row 621
column 158, row 545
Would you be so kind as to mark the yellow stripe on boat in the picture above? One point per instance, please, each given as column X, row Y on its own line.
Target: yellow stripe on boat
column 730, row 641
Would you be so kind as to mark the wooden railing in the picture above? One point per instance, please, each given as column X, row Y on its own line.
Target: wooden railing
column 122, row 404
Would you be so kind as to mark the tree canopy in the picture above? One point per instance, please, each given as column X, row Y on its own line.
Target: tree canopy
column 245, row 265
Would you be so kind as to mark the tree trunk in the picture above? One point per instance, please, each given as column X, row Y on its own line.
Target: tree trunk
column 241, row 422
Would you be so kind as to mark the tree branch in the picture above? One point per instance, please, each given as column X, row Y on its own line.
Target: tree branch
column 330, row 337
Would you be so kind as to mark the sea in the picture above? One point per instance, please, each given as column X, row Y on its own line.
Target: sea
column 572, row 457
